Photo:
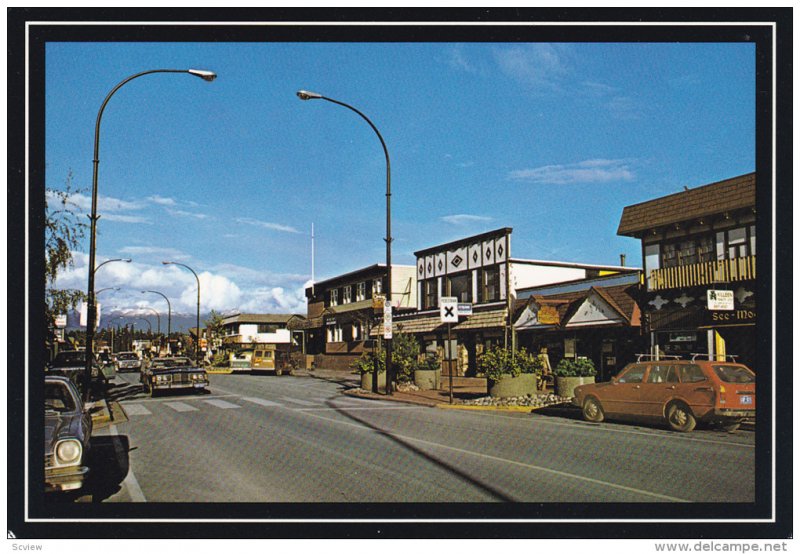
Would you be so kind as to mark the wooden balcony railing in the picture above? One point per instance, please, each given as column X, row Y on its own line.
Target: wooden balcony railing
column 705, row 273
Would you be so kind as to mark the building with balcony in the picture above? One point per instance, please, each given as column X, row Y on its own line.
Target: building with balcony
column 699, row 253
column 343, row 310
column 244, row 333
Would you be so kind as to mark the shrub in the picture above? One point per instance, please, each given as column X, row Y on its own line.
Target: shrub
column 582, row 367
column 369, row 361
column 405, row 357
column 498, row 362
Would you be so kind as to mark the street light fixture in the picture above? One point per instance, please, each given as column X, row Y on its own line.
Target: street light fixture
column 308, row 95
column 197, row 346
column 169, row 317
column 105, row 289
column 90, row 294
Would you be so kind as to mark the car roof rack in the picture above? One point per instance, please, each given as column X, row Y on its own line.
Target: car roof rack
column 659, row 356
column 732, row 357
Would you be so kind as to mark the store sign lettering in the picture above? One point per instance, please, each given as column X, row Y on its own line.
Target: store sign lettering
column 735, row 316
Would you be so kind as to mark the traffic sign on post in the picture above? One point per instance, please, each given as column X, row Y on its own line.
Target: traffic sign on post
column 448, row 309
column 387, row 320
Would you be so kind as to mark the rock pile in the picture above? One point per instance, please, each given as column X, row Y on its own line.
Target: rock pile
column 533, row 401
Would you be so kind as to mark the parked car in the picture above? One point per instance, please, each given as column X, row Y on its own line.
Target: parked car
column 680, row 392
column 178, row 373
column 67, row 429
column 128, row 361
column 72, row 364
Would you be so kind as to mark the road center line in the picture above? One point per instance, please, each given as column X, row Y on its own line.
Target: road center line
column 503, row 460
column 130, row 481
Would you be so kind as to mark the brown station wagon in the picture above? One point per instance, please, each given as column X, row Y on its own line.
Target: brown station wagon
column 680, row 392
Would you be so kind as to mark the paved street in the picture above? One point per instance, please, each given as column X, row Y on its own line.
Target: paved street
column 299, row 439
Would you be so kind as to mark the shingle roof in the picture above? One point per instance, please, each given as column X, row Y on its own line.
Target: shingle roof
column 622, row 298
column 728, row 195
column 259, row 318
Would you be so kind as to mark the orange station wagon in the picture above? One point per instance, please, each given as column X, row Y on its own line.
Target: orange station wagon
column 680, row 392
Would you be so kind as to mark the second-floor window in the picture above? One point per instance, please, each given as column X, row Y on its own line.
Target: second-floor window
column 688, row 251
column 377, row 286
column 430, row 298
column 347, row 294
column 267, row 328
column 460, row 286
column 736, row 243
column 335, row 297
column 361, row 292
column 489, row 286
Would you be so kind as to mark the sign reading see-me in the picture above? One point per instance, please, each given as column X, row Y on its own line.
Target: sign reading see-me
column 448, row 309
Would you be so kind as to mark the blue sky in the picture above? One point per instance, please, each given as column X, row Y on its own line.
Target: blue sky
column 227, row 177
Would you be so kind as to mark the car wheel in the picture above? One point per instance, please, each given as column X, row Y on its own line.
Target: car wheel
column 592, row 411
column 730, row 426
column 680, row 417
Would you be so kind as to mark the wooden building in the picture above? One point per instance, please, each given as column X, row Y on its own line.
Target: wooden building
column 699, row 252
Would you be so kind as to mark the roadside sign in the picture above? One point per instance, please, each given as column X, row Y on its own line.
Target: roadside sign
column 387, row 320
column 720, row 299
column 378, row 301
column 464, row 309
column 61, row 321
column 448, row 309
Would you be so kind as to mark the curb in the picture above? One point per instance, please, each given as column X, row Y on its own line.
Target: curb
column 219, row 371
column 523, row 409
column 103, row 415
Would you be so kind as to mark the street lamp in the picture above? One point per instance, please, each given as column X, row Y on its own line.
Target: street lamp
column 90, row 316
column 197, row 346
column 158, row 318
column 169, row 316
column 307, row 95
column 105, row 289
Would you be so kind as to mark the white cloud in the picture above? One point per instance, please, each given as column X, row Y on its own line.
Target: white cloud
column 156, row 251
column 183, row 213
column 267, row 225
column 126, row 218
column 156, row 199
column 539, row 65
column 588, row 171
column 464, row 219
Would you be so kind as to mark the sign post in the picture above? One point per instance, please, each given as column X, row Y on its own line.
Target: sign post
column 448, row 312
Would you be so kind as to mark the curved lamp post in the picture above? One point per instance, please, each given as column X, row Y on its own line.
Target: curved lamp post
column 169, row 316
column 197, row 345
column 158, row 318
column 307, row 95
column 90, row 316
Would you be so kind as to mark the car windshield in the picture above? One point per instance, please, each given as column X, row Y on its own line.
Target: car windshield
column 735, row 374
column 171, row 362
column 127, row 356
column 71, row 357
column 58, row 398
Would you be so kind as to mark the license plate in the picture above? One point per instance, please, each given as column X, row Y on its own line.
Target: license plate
column 201, row 385
column 746, row 399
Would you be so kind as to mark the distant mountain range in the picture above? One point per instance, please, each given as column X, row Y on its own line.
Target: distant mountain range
column 180, row 323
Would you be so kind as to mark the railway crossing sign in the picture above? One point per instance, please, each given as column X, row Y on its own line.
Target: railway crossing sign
column 448, row 309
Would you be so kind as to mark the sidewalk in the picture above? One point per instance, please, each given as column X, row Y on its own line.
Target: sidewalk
column 464, row 388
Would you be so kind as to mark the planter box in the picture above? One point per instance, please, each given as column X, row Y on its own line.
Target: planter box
column 366, row 381
column 524, row 383
column 565, row 386
column 428, row 379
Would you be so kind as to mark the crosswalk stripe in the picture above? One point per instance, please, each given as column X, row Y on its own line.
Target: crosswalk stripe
column 136, row 409
column 222, row 404
column 262, row 402
column 180, row 407
column 301, row 402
